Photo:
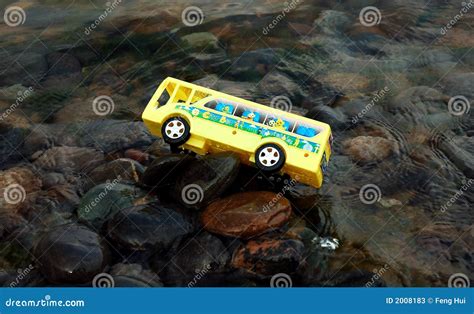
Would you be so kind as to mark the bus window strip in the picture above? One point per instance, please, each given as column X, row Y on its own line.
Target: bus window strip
column 267, row 115
column 240, row 120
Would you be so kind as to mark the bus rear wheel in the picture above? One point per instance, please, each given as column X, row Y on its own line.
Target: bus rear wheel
column 270, row 158
column 175, row 131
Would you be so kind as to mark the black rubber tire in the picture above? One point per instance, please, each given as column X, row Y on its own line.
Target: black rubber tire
column 275, row 167
column 179, row 140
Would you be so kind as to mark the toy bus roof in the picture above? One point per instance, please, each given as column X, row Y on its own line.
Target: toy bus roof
column 217, row 94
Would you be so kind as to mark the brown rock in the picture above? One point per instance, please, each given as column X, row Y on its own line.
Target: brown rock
column 367, row 149
column 246, row 214
column 137, row 155
column 269, row 256
column 17, row 186
column 65, row 159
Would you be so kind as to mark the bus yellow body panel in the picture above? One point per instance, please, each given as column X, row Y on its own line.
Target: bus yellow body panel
column 221, row 122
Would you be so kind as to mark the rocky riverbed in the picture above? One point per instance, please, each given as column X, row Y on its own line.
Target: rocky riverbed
column 89, row 197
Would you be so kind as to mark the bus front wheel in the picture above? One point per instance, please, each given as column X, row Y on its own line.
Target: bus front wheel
column 270, row 158
column 175, row 131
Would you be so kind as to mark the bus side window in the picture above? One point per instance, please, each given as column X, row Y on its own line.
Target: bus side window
column 225, row 107
column 249, row 114
column 279, row 123
column 211, row 104
column 164, row 97
column 305, row 130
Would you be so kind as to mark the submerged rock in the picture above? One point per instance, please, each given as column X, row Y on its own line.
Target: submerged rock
column 148, row 228
column 195, row 258
column 246, row 214
column 333, row 117
column 34, row 64
column 71, row 254
column 255, row 64
column 104, row 200
column 134, row 275
column 69, row 159
column 205, row 179
column 123, row 169
column 164, row 170
column 17, row 185
column 460, row 150
column 269, row 256
column 366, row 149
column 104, row 135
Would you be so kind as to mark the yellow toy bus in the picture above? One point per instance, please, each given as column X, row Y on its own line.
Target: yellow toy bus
column 206, row 121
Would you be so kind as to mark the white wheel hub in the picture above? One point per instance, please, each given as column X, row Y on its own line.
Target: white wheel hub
column 174, row 129
column 269, row 156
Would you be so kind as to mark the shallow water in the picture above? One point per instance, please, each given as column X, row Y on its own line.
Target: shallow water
column 414, row 224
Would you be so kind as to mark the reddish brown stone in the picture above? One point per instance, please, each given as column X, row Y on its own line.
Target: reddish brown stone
column 246, row 214
column 367, row 149
column 137, row 155
column 269, row 256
